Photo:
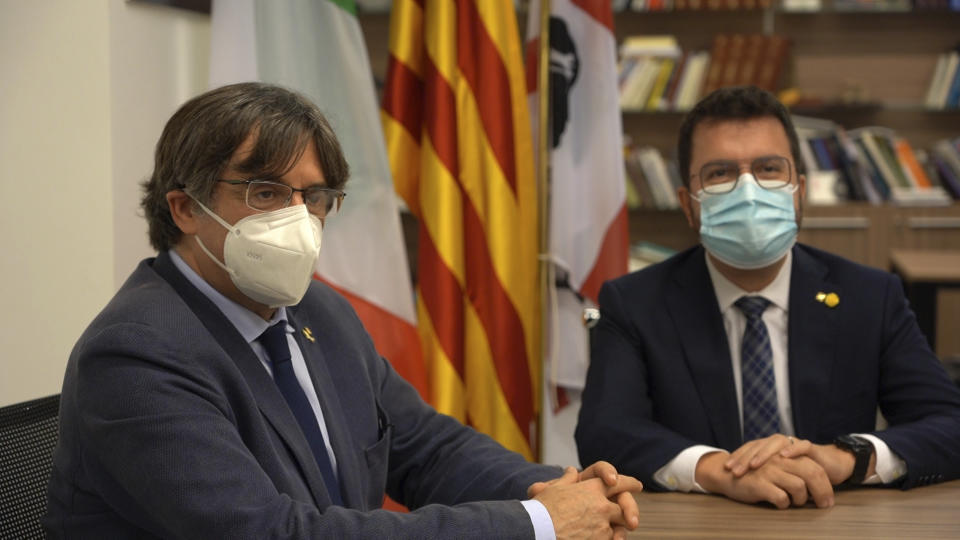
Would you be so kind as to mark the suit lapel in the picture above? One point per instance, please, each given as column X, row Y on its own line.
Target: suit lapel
column 696, row 315
column 333, row 414
column 811, row 329
column 269, row 399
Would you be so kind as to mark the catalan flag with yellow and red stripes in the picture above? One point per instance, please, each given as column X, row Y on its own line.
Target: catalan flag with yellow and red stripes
column 458, row 139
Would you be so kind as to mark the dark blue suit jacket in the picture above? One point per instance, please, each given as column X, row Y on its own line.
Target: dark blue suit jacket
column 660, row 378
column 170, row 427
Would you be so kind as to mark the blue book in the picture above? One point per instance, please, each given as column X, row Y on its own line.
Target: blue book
column 824, row 159
column 882, row 188
column 948, row 179
column 953, row 95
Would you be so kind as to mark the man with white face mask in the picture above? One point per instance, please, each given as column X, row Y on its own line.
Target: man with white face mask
column 224, row 393
column 753, row 366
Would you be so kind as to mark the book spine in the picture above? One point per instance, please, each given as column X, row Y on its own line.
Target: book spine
column 718, row 60
column 910, row 164
column 879, row 183
column 771, row 66
column 660, row 84
column 670, row 94
column 734, row 58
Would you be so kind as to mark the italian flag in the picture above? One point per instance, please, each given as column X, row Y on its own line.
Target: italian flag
column 316, row 47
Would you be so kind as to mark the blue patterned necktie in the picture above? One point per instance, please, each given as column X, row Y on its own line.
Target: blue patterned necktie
column 274, row 340
column 761, row 417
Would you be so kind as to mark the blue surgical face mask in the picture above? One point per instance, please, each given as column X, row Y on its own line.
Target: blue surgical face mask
column 749, row 227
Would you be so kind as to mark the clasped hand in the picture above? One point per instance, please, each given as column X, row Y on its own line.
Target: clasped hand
column 594, row 503
column 777, row 469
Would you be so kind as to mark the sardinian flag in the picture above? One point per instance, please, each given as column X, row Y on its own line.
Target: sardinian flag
column 587, row 213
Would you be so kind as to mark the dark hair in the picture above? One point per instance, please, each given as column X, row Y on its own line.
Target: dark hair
column 735, row 103
column 201, row 137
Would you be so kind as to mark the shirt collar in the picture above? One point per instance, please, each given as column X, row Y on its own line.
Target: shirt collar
column 249, row 324
column 778, row 291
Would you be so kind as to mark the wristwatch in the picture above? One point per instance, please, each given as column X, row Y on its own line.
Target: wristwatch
column 861, row 449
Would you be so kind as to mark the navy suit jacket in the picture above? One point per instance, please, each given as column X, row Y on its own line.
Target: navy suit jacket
column 170, row 427
column 660, row 378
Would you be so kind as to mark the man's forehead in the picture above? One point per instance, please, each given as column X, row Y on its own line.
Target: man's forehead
column 714, row 138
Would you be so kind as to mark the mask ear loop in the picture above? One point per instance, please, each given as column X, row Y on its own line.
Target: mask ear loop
column 223, row 224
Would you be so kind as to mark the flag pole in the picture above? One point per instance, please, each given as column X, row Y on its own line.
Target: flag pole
column 543, row 191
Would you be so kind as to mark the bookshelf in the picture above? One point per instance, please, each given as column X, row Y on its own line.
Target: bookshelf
column 855, row 68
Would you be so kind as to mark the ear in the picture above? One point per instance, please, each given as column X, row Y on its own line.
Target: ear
column 802, row 189
column 686, row 204
column 182, row 211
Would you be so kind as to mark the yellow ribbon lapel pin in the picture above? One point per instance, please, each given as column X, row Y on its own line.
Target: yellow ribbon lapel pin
column 308, row 334
column 830, row 299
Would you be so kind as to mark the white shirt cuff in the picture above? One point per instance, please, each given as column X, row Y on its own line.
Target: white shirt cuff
column 542, row 524
column 889, row 466
column 679, row 474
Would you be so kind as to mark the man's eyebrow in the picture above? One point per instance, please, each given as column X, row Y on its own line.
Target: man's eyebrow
column 752, row 159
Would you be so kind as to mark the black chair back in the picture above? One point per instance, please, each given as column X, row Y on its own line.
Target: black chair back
column 28, row 434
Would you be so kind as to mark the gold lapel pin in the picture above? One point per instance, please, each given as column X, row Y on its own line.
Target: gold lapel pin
column 830, row 299
column 308, row 334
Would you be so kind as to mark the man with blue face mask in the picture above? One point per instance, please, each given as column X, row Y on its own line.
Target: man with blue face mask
column 752, row 366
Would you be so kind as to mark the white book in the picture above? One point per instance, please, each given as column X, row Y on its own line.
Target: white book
column 639, row 84
column 943, row 91
column 651, row 45
column 655, row 171
column 939, row 72
column 693, row 81
column 931, row 196
column 631, row 80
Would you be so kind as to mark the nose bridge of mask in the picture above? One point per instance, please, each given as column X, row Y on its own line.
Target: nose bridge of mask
column 749, row 184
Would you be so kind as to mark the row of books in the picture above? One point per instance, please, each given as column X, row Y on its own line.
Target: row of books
column 944, row 89
column 871, row 164
column 691, row 5
column 657, row 75
column 652, row 181
column 787, row 5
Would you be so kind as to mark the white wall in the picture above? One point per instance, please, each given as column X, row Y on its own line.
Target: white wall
column 84, row 90
column 159, row 58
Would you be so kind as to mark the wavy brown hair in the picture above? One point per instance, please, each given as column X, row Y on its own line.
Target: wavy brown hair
column 201, row 137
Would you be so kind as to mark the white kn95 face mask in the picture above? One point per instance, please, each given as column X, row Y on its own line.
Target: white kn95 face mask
column 271, row 256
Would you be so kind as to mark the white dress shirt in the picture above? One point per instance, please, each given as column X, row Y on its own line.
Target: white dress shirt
column 679, row 473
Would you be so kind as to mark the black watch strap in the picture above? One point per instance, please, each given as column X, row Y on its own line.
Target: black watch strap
column 861, row 449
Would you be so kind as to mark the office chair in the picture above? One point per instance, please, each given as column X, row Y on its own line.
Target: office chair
column 28, row 434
